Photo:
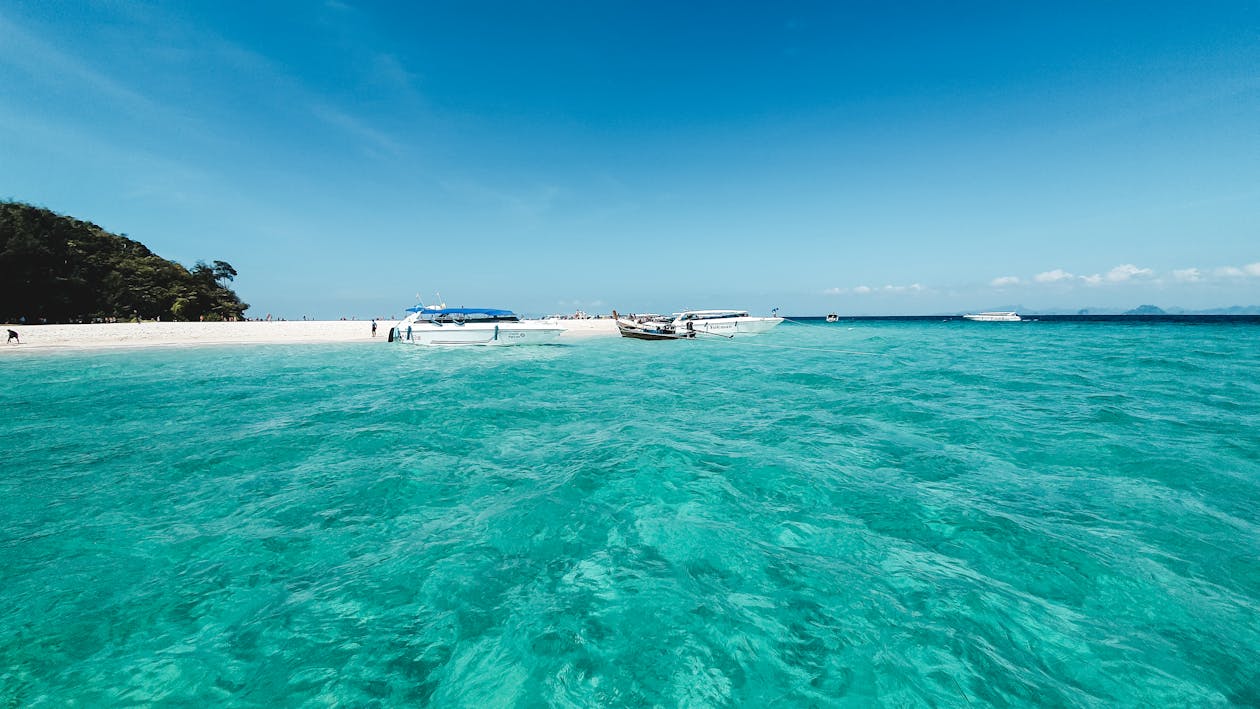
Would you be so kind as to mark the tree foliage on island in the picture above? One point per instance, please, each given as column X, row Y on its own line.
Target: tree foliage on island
column 60, row 269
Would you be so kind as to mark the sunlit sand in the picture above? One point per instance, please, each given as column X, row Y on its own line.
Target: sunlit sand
column 151, row 334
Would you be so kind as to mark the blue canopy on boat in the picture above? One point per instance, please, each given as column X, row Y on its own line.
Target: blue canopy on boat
column 459, row 311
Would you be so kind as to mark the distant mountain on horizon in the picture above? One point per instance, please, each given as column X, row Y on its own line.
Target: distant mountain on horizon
column 1152, row 310
column 1145, row 310
column 1140, row 311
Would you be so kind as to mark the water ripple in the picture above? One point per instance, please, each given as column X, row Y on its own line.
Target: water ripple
column 1059, row 514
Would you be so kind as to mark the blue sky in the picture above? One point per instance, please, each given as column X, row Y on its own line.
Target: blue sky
column 862, row 158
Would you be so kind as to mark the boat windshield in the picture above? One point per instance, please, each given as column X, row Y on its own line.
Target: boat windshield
column 469, row 317
column 712, row 314
column 463, row 315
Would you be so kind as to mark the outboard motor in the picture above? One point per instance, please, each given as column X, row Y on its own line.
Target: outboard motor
column 391, row 334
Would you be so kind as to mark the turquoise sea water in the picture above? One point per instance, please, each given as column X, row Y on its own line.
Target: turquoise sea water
column 963, row 515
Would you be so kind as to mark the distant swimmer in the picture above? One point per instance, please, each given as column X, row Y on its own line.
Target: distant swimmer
column 13, row 337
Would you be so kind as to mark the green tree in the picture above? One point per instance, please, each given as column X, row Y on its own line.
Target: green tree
column 62, row 269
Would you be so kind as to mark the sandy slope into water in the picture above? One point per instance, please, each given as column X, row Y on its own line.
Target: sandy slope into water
column 148, row 334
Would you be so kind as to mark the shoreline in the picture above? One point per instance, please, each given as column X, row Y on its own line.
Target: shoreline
column 109, row 336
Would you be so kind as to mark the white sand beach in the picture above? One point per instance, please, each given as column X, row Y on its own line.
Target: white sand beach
column 168, row 334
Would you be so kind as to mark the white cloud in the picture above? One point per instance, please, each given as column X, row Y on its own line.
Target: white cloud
column 867, row 290
column 1128, row 271
column 356, row 127
column 41, row 59
column 522, row 203
column 1119, row 275
column 1054, row 276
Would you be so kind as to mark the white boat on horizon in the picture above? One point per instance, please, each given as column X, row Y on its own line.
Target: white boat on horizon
column 993, row 316
column 726, row 323
column 443, row 326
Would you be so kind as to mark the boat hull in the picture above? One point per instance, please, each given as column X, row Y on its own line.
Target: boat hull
column 478, row 334
column 729, row 327
column 993, row 317
column 640, row 333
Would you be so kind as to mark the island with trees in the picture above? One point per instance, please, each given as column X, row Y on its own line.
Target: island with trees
column 55, row 268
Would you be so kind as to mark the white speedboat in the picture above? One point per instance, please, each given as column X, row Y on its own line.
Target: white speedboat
column 470, row 326
column 993, row 317
column 727, row 323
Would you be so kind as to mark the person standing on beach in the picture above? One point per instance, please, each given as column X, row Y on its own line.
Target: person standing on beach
column 373, row 327
column 13, row 337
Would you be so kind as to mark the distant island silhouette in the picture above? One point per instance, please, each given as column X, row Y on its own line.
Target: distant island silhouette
column 55, row 268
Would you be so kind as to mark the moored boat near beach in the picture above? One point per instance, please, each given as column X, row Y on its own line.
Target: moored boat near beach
column 444, row 326
column 650, row 327
column 727, row 323
column 993, row 317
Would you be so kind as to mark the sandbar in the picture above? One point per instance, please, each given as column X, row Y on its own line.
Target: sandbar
column 174, row 334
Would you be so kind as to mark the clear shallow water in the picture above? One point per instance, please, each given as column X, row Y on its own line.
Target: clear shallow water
column 1049, row 514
